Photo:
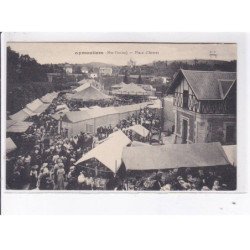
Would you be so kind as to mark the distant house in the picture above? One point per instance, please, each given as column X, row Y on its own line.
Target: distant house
column 105, row 71
column 165, row 79
column 204, row 106
column 149, row 88
column 84, row 70
column 52, row 76
column 68, row 69
column 93, row 75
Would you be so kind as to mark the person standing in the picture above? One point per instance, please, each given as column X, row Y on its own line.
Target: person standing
column 60, row 177
column 33, row 177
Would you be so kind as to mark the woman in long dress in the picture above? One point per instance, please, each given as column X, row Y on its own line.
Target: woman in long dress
column 60, row 177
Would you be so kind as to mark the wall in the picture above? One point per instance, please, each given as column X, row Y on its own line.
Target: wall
column 217, row 128
column 168, row 114
column 180, row 115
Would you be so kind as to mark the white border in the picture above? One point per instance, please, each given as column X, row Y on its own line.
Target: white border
column 134, row 203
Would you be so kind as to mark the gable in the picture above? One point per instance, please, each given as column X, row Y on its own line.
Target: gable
column 206, row 85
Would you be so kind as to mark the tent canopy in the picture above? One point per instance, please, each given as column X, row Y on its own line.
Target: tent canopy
column 61, row 107
column 139, row 144
column 22, row 115
column 91, row 113
column 89, row 94
column 48, row 98
column 156, row 104
column 41, row 109
column 76, row 116
column 109, row 153
column 34, row 105
column 231, row 153
column 118, row 86
column 82, row 87
column 172, row 156
column 139, row 129
column 18, row 127
column 10, row 145
column 130, row 89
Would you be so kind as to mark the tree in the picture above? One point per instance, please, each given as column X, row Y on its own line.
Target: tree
column 139, row 80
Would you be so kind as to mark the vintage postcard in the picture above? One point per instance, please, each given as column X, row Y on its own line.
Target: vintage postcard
column 121, row 116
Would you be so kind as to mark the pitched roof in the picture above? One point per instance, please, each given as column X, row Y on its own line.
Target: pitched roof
column 130, row 89
column 48, row 98
column 206, row 85
column 76, row 116
column 91, row 113
column 21, row 115
column 19, row 127
column 10, row 145
column 109, row 152
column 171, row 156
column 34, row 105
column 231, row 153
column 139, row 129
column 89, row 93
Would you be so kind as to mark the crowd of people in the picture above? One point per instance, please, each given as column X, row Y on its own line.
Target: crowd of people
column 45, row 157
column 187, row 179
column 45, row 160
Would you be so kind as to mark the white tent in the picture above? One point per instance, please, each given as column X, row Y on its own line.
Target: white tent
column 10, row 145
column 22, row 115
column 34, row 105
column 130, row 89
column 156, row 104
column 109, row 153
column 82, row 87
column 171, row 156
column 18, row 127
column 139, row 129
column 139, row 144
column 61, row 107
column 231, row 153
column 83, row 109
column 48, row 98
column 88, row 120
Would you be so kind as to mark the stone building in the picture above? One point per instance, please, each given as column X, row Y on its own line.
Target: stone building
column 204, row 106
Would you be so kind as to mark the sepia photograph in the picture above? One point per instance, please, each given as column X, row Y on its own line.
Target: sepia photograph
column 119, row 116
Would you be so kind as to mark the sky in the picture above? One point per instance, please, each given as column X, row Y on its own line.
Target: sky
column 121, row 53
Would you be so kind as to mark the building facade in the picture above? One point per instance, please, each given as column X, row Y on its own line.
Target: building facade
column 204, row 106
column 105, row 71
column 68, row 69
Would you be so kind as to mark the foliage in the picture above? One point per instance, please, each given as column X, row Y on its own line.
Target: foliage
column 27, row 80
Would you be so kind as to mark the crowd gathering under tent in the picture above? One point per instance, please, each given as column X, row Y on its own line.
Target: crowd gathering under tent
column 109, row 153
column 89, row 120
column 97, row 147
column 87, row 93
column 170, row 156
column 17, row 126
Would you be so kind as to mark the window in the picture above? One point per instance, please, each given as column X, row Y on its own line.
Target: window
column 185, row 99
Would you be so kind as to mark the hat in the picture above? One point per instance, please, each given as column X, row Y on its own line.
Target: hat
column 60, row 165
column 45, row 164
column 179, row 178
